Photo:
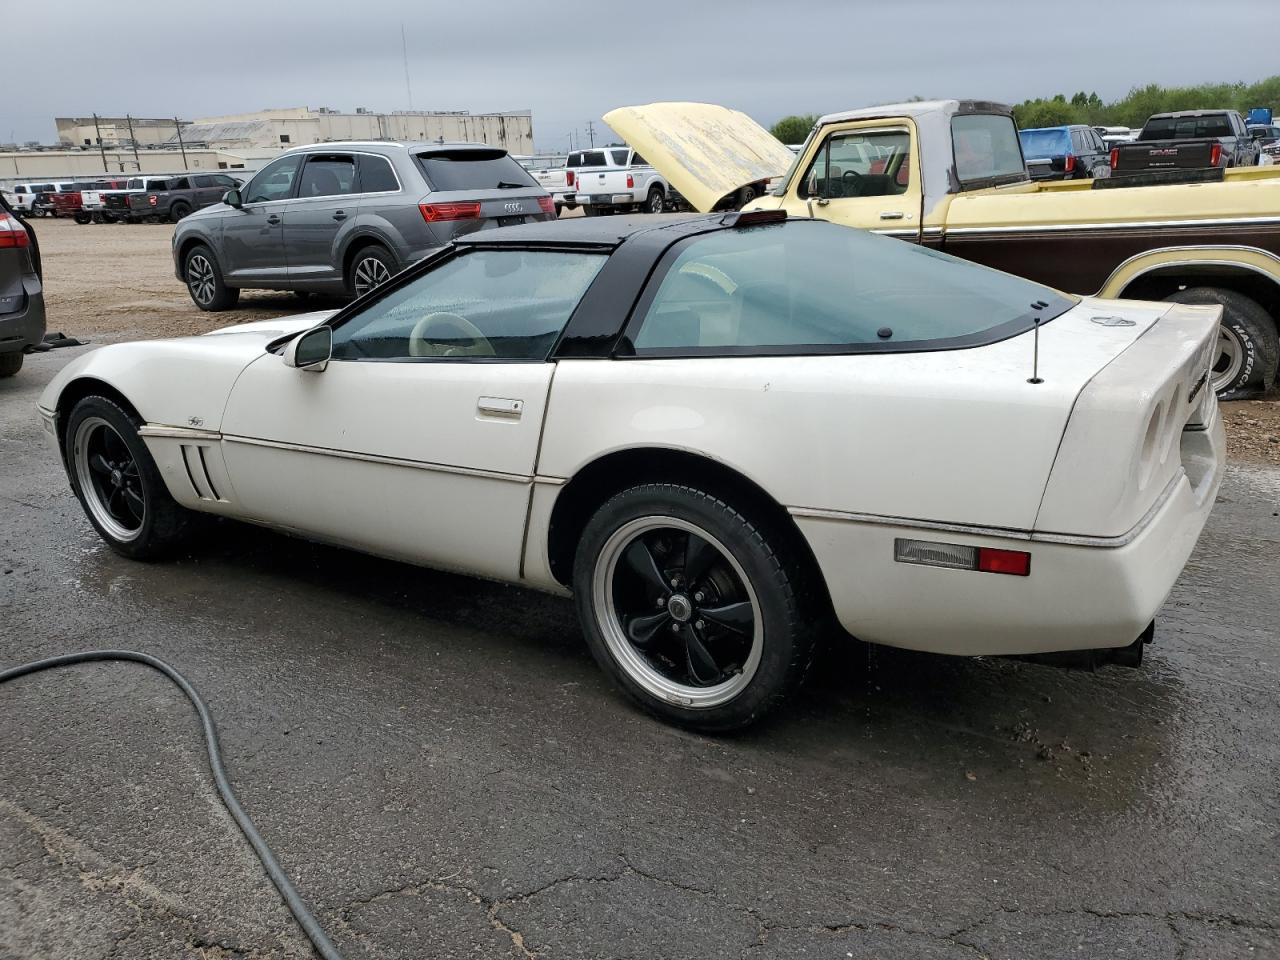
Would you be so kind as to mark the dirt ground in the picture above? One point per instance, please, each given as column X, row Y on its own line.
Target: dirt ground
column 110, row 282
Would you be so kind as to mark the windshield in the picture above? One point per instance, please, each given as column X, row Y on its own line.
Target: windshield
column 813, row 286
column 780, row 187
column 986, row 149
column 473, row 170
column 1044, row 143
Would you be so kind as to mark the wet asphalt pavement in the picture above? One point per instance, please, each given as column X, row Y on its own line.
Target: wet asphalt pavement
column 445, row 773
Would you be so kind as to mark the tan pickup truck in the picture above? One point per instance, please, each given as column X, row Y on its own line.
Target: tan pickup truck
column 950, row 174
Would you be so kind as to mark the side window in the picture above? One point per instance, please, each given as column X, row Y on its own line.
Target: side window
column 619, row 158
column 199, row 181
column 275, row 181
column 491, row 304
column 860, row 163
column 328, row 175
column 376, row 175
column 1077, row 142
column 182, row 183
column 222, row 180
column 638, row 161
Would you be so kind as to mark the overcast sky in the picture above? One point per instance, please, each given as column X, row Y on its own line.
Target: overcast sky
column 570, row 62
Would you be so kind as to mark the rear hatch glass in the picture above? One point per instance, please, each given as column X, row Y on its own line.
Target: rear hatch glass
column 474, row 170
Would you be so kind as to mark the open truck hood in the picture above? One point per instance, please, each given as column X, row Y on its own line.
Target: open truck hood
column 705, row 151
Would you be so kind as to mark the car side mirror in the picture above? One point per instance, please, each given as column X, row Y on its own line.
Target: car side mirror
column 232, row 199
column 311, row 350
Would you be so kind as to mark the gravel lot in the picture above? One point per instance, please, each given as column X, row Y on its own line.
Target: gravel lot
column 446, row 774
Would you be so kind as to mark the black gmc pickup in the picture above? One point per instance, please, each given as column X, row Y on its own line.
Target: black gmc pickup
column 1189, row 140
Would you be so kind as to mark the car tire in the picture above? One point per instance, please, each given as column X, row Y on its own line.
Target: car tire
column 656, row 202
column 1249, row 345
column 83, row 218
column 10, row 363
column 118, row 484
column 370, row 268
column 721, row 602
column 179, row 210
column 204, row 281
column 590, row 210
column 746, row 195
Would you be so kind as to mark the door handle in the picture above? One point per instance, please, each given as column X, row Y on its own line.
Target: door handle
column 500, row 407
column 273, row 220
column 340, row 215
column 892, row 215
column 822, row 201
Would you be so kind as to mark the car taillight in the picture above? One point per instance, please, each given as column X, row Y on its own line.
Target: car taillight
column 12, row 232
column 1069, row 164
column 547, row 204
column 1016, row 563
column 435, row 212
column 631, row 182
column 1215, row 154
column 568, row 178
column 1115, row 157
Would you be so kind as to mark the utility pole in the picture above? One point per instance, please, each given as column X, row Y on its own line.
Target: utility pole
column 178, row 126
column 591, row 132
column 133, row 140
column 101, row 149
column 404, row 50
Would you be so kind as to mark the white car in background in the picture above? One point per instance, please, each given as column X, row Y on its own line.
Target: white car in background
column 721, row 433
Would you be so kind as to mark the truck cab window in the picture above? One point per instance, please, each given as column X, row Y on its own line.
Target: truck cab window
column 859, row 163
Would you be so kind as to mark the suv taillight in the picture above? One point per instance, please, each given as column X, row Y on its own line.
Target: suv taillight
column 1215, row 154
column 12, row 232
column 1115, row 157
column 1070, row 163
column 435, row 212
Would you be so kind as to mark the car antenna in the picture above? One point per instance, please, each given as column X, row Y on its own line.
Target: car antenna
column 1035, row 345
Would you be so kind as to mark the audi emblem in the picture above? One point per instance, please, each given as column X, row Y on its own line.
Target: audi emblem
column 513, row 207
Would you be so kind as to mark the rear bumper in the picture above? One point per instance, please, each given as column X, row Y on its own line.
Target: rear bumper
column 26, row 327
column 1082, row 593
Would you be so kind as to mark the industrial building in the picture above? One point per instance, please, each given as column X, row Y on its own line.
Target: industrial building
column 88, row 146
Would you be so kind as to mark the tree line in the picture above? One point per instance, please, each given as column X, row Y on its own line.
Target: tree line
column 1132, row 110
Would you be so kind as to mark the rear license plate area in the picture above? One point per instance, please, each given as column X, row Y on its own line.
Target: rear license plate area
column 510, row 221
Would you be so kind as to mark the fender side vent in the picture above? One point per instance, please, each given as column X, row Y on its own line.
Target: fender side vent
column 193, row 457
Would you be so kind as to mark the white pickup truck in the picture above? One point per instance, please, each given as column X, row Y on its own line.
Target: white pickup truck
column 555, row 182
column 629, row 184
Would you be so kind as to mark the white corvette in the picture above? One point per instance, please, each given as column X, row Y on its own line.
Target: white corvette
column 718, row 432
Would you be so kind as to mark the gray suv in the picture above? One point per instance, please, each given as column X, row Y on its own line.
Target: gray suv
column 342, row 218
